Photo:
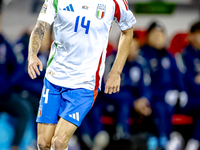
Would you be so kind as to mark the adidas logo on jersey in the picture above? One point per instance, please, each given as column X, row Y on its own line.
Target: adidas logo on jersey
column 69, row 8
column 75, row 116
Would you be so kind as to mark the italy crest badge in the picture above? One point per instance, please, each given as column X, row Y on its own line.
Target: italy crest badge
column 101, row 10
column 40, row 111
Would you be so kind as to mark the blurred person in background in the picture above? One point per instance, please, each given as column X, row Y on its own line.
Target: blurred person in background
column 27, row 88
column 18, row 109
column 142, row 93
column 191, row 69
column 36, row 4
column 133, row 94
column 163, row 78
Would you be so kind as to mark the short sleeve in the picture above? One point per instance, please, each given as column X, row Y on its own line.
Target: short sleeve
column 48, row 11
column 123, row 16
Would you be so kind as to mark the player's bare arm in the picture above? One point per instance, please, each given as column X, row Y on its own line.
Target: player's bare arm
column 114, row 79
column 34, row 46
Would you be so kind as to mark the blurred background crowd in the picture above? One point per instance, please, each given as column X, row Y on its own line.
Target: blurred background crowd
column 158, row 106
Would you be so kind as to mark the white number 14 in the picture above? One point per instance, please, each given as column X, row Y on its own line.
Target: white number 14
column 45, row 94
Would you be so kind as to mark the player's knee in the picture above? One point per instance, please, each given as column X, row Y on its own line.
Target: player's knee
column 43, row 144
column 60, row 142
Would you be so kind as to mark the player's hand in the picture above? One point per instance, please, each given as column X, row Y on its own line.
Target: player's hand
column 142, row 106
column 113, row 83
column 33, row 64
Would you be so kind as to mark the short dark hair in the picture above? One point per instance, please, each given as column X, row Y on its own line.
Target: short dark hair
column 195, row 27
column 155, row 25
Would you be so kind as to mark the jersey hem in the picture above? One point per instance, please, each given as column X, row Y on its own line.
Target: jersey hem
column 60, row 83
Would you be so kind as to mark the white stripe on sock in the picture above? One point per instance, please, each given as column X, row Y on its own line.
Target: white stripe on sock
column 38, row 147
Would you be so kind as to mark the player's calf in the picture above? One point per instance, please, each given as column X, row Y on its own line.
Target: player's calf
column 43, row 144
column 60, row 143
column 45, row 134
column 63, row 132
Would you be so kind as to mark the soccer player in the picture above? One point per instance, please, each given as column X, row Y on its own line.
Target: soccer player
column 76, row 62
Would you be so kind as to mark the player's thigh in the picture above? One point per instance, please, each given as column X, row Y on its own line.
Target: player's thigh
column 63, row 132
column 48, row 114
column 45, row 133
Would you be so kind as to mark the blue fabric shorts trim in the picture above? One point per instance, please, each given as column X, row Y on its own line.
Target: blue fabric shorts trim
column 70, row 104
